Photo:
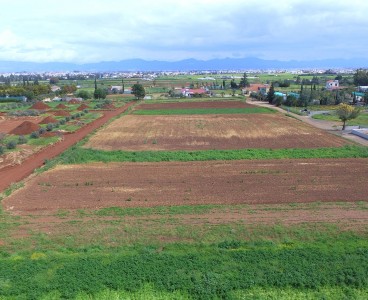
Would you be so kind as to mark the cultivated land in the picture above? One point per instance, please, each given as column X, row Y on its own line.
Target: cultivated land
column 209, row 131
column 96, row 186
column 232, row 226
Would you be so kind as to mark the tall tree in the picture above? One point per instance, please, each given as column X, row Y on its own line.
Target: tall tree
column 271, row 94
column 123, row 87
column 95, row 84
column 244, row 81
column 361, row 77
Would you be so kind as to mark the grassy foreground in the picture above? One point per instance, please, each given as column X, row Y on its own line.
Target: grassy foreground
column 77, row 155
column 227, row 270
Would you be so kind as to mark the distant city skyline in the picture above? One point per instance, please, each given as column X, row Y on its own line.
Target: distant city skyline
column 94, row 31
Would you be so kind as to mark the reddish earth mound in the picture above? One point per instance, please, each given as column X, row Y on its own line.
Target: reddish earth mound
column 48, row 120
column 74, row 101
column 26, row 127
column 82, row 107
column 49, row 134
column 60, row 113
column 109, row 106
column 40, row 105
column 61, row 106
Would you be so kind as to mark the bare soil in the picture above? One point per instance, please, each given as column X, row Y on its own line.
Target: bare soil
column 199, row 104
column 98, row 185
column 7, row 124
column 14, row 173
column 203, row 132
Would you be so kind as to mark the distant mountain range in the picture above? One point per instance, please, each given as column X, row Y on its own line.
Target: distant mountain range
column 182, row 65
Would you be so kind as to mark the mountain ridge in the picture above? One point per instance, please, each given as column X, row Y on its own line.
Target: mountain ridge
column 182, row 65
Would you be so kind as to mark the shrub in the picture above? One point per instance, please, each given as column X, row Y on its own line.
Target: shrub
column 67, row 119
column 22, row 140
column 35, row 135
column 62, row 121
column 1, row 150
column 11, row 145
column 49, row 126
column 42, row 130
column 85, row 111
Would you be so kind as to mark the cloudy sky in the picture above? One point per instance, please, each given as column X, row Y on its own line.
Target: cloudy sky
column 83, row 31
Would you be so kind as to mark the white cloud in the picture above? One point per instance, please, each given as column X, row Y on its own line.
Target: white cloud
column 94, row 30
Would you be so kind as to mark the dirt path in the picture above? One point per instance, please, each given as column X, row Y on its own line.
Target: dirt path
column 16, row 173
column 325, row 125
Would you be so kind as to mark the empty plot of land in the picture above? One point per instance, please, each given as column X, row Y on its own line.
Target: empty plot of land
column 99, row 185
column 203, row 132
column 200, row 104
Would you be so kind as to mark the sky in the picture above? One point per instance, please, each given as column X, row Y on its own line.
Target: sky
column 84, row 31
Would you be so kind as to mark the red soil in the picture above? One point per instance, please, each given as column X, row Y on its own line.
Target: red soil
column 82, row 107
column 109, row 106
column 48, row 120
column 74, row 101
column 40, row 105
column 13, row 174
column 60, row 113
column 61, row 106
column 98, row 185
column 26, row 127
column 200, row 104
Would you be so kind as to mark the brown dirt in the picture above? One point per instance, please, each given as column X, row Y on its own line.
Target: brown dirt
column 61, row 106
column 9, row 123
column 48, row 120
column 109, row 106
column 40, row 106
column 99, row 185
column 201, row 132
column 10, row 175
column 74, row 101
column 82, row 107
column 60, row 113
column 199, row 104
column 26, row 127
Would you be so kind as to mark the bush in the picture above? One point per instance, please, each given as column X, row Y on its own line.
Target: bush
column 22, row 140
column 35, row 135
column 42, row 130
column 85, row 111
column 62, row 121
column 67, row 119
column 1, row 150
column 49, row 126
column 11, row 145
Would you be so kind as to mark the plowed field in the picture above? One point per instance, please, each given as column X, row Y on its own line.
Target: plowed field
column 201, row 104
column 202, row 132
column 95, row 186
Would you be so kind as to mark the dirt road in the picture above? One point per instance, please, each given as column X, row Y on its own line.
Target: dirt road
column 16, row 173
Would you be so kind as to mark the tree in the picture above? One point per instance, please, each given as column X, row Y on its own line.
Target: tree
column 138, row 91
column 54, row 80
column 346, row 112
column 244, row 81
column 361, row 77
column 83, row 94
column 233, row 84
column 271, row 94
column 99, row 94
column 123, row 87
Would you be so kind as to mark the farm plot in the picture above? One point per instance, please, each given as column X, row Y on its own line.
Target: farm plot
column 204, row 132
column 190, row 105
column 8, row 124
column 95, row 186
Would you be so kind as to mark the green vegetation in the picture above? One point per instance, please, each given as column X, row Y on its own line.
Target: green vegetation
column 77, row 155
column 203, row 111
column 361, row 119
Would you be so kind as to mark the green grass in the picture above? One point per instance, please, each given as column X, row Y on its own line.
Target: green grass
column 77, row 155
column 203, row 111
column 215, row 272
column 43, row 141
column 362, row 119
